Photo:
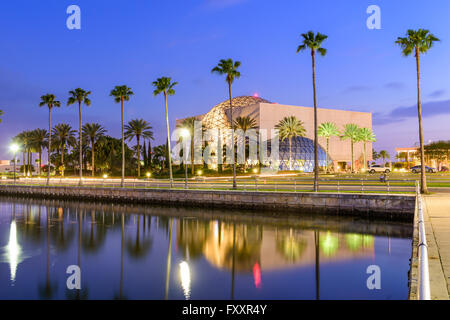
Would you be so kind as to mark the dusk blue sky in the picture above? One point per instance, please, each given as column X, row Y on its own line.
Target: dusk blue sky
column 134, row 42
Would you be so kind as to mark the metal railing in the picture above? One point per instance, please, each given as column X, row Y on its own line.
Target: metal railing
column 424, row 276
column 249, row 184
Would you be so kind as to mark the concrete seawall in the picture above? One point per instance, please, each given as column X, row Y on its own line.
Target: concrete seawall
column 393, row 207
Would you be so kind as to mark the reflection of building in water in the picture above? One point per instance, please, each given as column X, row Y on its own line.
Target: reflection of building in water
column 269, row 248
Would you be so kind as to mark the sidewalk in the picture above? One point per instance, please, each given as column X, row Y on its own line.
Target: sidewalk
column 437, row 226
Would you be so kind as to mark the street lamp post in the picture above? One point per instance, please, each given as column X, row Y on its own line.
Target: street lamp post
column 14, row 148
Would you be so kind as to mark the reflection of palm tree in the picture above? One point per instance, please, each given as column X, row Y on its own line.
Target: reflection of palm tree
column 316, row 243
column 169, row 256
column 233, row 263
column 48, row 290
column 93, row 241
column 136, row 249
column 192, row 237
column 291, row 247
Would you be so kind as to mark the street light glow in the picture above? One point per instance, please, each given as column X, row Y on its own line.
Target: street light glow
column 14, row 148
column 185, row 133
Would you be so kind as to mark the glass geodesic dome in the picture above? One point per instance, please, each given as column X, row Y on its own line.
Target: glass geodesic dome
column 302, row 155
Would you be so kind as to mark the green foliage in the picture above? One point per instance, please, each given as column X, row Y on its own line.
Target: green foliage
column 229, row 68
column 164, row 85
column 420, row 41
column 313, row 42
column 290, row 127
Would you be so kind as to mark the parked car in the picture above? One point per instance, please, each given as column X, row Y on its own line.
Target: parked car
column 444, row 169
column 418, row 169
column 378, row 168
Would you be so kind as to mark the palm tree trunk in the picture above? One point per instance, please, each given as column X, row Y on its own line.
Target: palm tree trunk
column 24, row 164
column 365, row 160
column 353, row 165
column 423, row 178
column 81, row 145
column 232, row 136
column 40, row 161
column 93, row 156
column 328, row 144
column 62, row 159
column 49, row 143
column 290, row 153
column 123, row 149
column 149, row 154
column 316, row 138
column 192, row 156
column 138, row 155
column 168, row 141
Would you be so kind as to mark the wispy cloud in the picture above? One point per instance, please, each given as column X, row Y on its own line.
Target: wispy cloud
column 353, row 89
column 437, row 94
column 394, row 85
column 399, row 114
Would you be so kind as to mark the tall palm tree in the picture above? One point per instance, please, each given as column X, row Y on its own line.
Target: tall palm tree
column 314, row 43
column 138, row 128
column 328, row 130
column 50, row 101
column 121, row 94
column 366, row 135
column 288, row 128
column 166, row 86
column 352, row 133
column 94, row 132
column 383, row 154
column 1, row 113
column 64, row 135
column 245, row 123
column 417, row 42
column 189, row 125
column 80, row 96
column 229, row 68
column 39, row 140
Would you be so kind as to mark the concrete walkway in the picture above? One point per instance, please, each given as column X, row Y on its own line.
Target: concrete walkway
column 437, row 227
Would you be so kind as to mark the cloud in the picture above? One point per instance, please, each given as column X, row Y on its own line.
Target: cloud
column 353, row 89
column 394, row 85
column 437, row 94
column 399, row 114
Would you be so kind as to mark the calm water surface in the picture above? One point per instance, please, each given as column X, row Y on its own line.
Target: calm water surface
column 133, row 252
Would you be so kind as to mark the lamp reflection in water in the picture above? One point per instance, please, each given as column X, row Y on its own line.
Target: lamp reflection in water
column 185, row 275
column 13, row 250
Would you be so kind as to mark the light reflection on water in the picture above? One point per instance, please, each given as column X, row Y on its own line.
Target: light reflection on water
column 133, row 252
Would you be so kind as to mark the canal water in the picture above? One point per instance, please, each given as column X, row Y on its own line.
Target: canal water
column 142, row 252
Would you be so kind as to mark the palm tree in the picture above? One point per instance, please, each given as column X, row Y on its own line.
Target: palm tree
column 189, row 125
column 245, row 123
column 80, row 96
column 229, row 68
column 94, row 132
column 50, row 101
column 366, row 135
column 314, row 43
column 165, row 85
column 288, row 128
column 383, row 154
column 138, row 128
column 328, row 130
column 417, row 42
column 1, row 113
column 121, row 94
column 64, row 135
column 351, row 132
column 39, row 141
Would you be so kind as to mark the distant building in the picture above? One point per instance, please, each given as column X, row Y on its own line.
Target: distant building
column 268, row 114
